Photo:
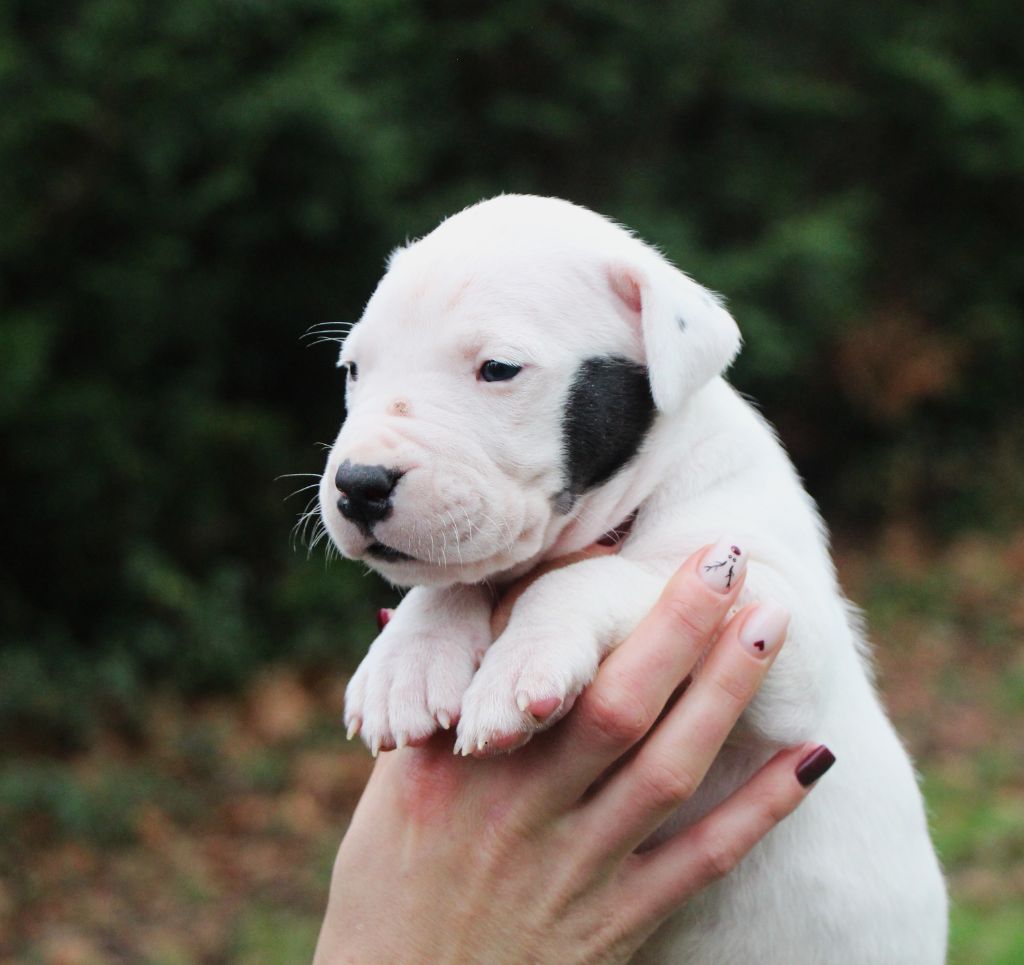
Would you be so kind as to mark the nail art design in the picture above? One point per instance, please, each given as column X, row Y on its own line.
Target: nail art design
column 723, row 565
column 728, row 564
column 765, row 628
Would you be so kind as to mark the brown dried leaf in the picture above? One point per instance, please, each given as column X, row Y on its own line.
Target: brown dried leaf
column 892, row 362
column 280, row 708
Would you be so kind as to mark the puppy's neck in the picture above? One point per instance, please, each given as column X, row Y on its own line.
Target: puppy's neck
column 664, row 455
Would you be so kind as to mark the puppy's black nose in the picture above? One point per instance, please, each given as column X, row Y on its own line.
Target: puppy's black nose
column 365, row 492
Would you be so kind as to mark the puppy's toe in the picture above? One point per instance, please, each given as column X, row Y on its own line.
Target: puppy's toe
column 490, row 719
column 546, row 694
column 521, row 689
column 355, row 704
column 376, row 730
column 446, row 682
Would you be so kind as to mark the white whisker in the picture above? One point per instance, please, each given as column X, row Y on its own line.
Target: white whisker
column 327, row 328
column 325, row 338
column 315, row 485
column 458, row 541
column 310, row 510
column 444, row 548
column 321, row 534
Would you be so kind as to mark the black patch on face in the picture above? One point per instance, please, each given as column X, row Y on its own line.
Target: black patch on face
column 608, row 412
column 564, row 501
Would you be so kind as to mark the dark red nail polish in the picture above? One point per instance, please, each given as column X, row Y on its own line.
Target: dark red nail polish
column 814, row 765
column 383, row 616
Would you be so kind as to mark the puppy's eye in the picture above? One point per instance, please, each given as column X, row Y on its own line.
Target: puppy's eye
column 494, row 371
column 351, row 371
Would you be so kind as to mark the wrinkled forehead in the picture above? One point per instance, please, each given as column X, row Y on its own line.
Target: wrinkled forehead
column 466, row 301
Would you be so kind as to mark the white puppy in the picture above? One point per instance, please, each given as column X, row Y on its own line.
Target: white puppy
column 524, row 379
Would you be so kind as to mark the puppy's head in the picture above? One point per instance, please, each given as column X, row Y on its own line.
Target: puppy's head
column 508, row 363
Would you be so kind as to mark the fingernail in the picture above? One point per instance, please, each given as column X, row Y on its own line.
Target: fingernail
column 765, row 628
column 723, row 565
column 383, row 615
column 814, row 765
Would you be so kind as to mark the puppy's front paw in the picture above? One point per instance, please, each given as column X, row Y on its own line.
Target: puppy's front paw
column 525, row 684
column 411, row 683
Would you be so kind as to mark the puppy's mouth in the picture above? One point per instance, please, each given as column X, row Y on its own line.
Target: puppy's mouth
column 379, row 551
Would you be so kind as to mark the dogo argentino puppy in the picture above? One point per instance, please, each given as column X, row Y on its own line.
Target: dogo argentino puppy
column 526, row 378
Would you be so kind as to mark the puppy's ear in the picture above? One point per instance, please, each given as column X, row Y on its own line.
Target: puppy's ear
column 688, row 337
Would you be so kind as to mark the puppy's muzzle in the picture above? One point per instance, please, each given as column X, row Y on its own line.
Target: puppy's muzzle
column 365, row 493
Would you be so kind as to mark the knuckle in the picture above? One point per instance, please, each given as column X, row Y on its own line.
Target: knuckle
column 686, row 618
column 734, row 688
column 772, row 807
column 666, row 784
column 719, row 854
column 617, row 713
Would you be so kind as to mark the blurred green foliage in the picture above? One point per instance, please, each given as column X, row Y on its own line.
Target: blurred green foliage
column 187, row 187
column 101, row 809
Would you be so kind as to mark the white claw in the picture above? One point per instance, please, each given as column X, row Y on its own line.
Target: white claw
column 375, row 747
column 444, row 720
column 353, row 728
column 523, row 701
column 400, row 741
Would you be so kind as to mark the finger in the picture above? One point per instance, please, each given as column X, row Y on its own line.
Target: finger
column 635, row 682
column 670, row 765
column 503, row 609
column 666, row 876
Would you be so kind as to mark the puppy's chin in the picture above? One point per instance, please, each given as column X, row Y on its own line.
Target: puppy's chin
column 416, row 573
column 400, row 569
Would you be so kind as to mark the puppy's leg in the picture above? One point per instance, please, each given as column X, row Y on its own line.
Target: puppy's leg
column 559, row 630
column 416, row 672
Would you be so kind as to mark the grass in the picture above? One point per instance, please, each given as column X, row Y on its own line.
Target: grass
column 979, row 832
column 987, row 936
column 266, row 935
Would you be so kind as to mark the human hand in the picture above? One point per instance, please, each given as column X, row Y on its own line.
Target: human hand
column 533, row 857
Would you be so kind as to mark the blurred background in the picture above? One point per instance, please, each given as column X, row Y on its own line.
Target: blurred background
column 187, row 187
